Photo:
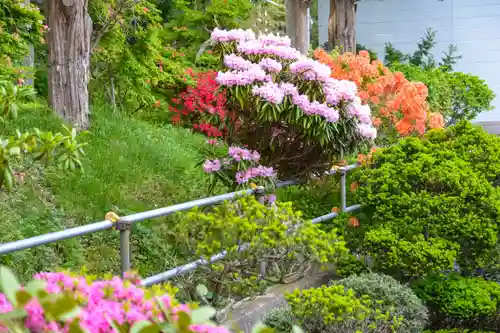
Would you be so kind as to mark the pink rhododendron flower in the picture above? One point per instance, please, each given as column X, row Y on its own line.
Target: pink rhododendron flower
column 270, row 65
column 311, row 69
column 270, row 92
column 260, row 171
column 220, row 35
column 236, row 62
column 211, row 166
column 239, row 154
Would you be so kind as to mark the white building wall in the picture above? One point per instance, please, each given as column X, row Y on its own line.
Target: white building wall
column 472, row 25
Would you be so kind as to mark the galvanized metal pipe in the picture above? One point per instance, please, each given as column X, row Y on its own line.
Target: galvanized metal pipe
column 177, row 271
column 182, row 207
column 343, row 191
column 54, row 237
column 125, row 250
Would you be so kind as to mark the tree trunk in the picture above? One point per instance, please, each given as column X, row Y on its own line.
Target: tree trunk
column 70, row 28
column 296, row 24
column 341, row 25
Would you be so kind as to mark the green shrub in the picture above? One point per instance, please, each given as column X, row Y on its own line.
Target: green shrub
column 456, row 301
column 395, row 297
column 280, row 319
column 472, row 144
column 455, row 330
column 273, row 234
column 426, row 205
column 470, row 97
column 337, row 309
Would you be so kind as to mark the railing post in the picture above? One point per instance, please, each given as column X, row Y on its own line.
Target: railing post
column 124, row 229
column 260, row 195
column 343, row 190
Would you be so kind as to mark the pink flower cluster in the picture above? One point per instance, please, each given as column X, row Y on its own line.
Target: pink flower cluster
column 242, row 154
column 269, row 91
column 242, row 78
column 102, row 302
column 274, row 93
column 236, row 62
column 236, row 154
column 270, row 65
column 221, row 35
column 272, row 39
column 311, row 69
column 211, row 166
column 339, row 90
column 250, row 173
column 256, row 47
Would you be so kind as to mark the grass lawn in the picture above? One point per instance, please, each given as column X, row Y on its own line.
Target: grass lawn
column 130, row 166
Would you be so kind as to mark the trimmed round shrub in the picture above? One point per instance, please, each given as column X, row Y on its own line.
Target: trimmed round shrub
column 457, row 301
column 394, row 296
column 335, row 309
column 427, row 204
column 281, row 320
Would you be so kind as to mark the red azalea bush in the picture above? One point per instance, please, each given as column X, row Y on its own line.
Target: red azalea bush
column 201, row 106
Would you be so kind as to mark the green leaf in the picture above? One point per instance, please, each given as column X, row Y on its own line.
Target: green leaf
column 144, row 326
column 184, row 320
column 14, row 151
column 35, row 286
column 12, row 315
column 23, row 297
column 261, row 328
column 8, row 178
column 9, row 284
column 201, row 290
column 297, row 329
column 202, row 315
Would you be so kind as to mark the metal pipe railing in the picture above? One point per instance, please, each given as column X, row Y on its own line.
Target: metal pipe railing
column 54, row 237
column 123, row 224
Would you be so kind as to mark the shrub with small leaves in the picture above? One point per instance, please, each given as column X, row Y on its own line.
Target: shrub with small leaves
column 425, row 205
column 281, row 320
column 251, row 233
column 399, row 299
column 457, row 301
column 338, row 309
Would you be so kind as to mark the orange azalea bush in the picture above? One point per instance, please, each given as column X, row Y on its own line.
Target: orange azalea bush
column 398, row 106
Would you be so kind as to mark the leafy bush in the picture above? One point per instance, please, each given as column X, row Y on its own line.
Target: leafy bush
column 20, row 25
column 472, row 144
column 456, row 330
column 337, row 309
column 280, row 319
column 470, row 97
column 62, row 302
column 252, row 233
column 399, row 105
column 63, row 149
column 456, row 301
column 202, row 99
column 287, row 108
column 396, row 298
column 425, row 206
